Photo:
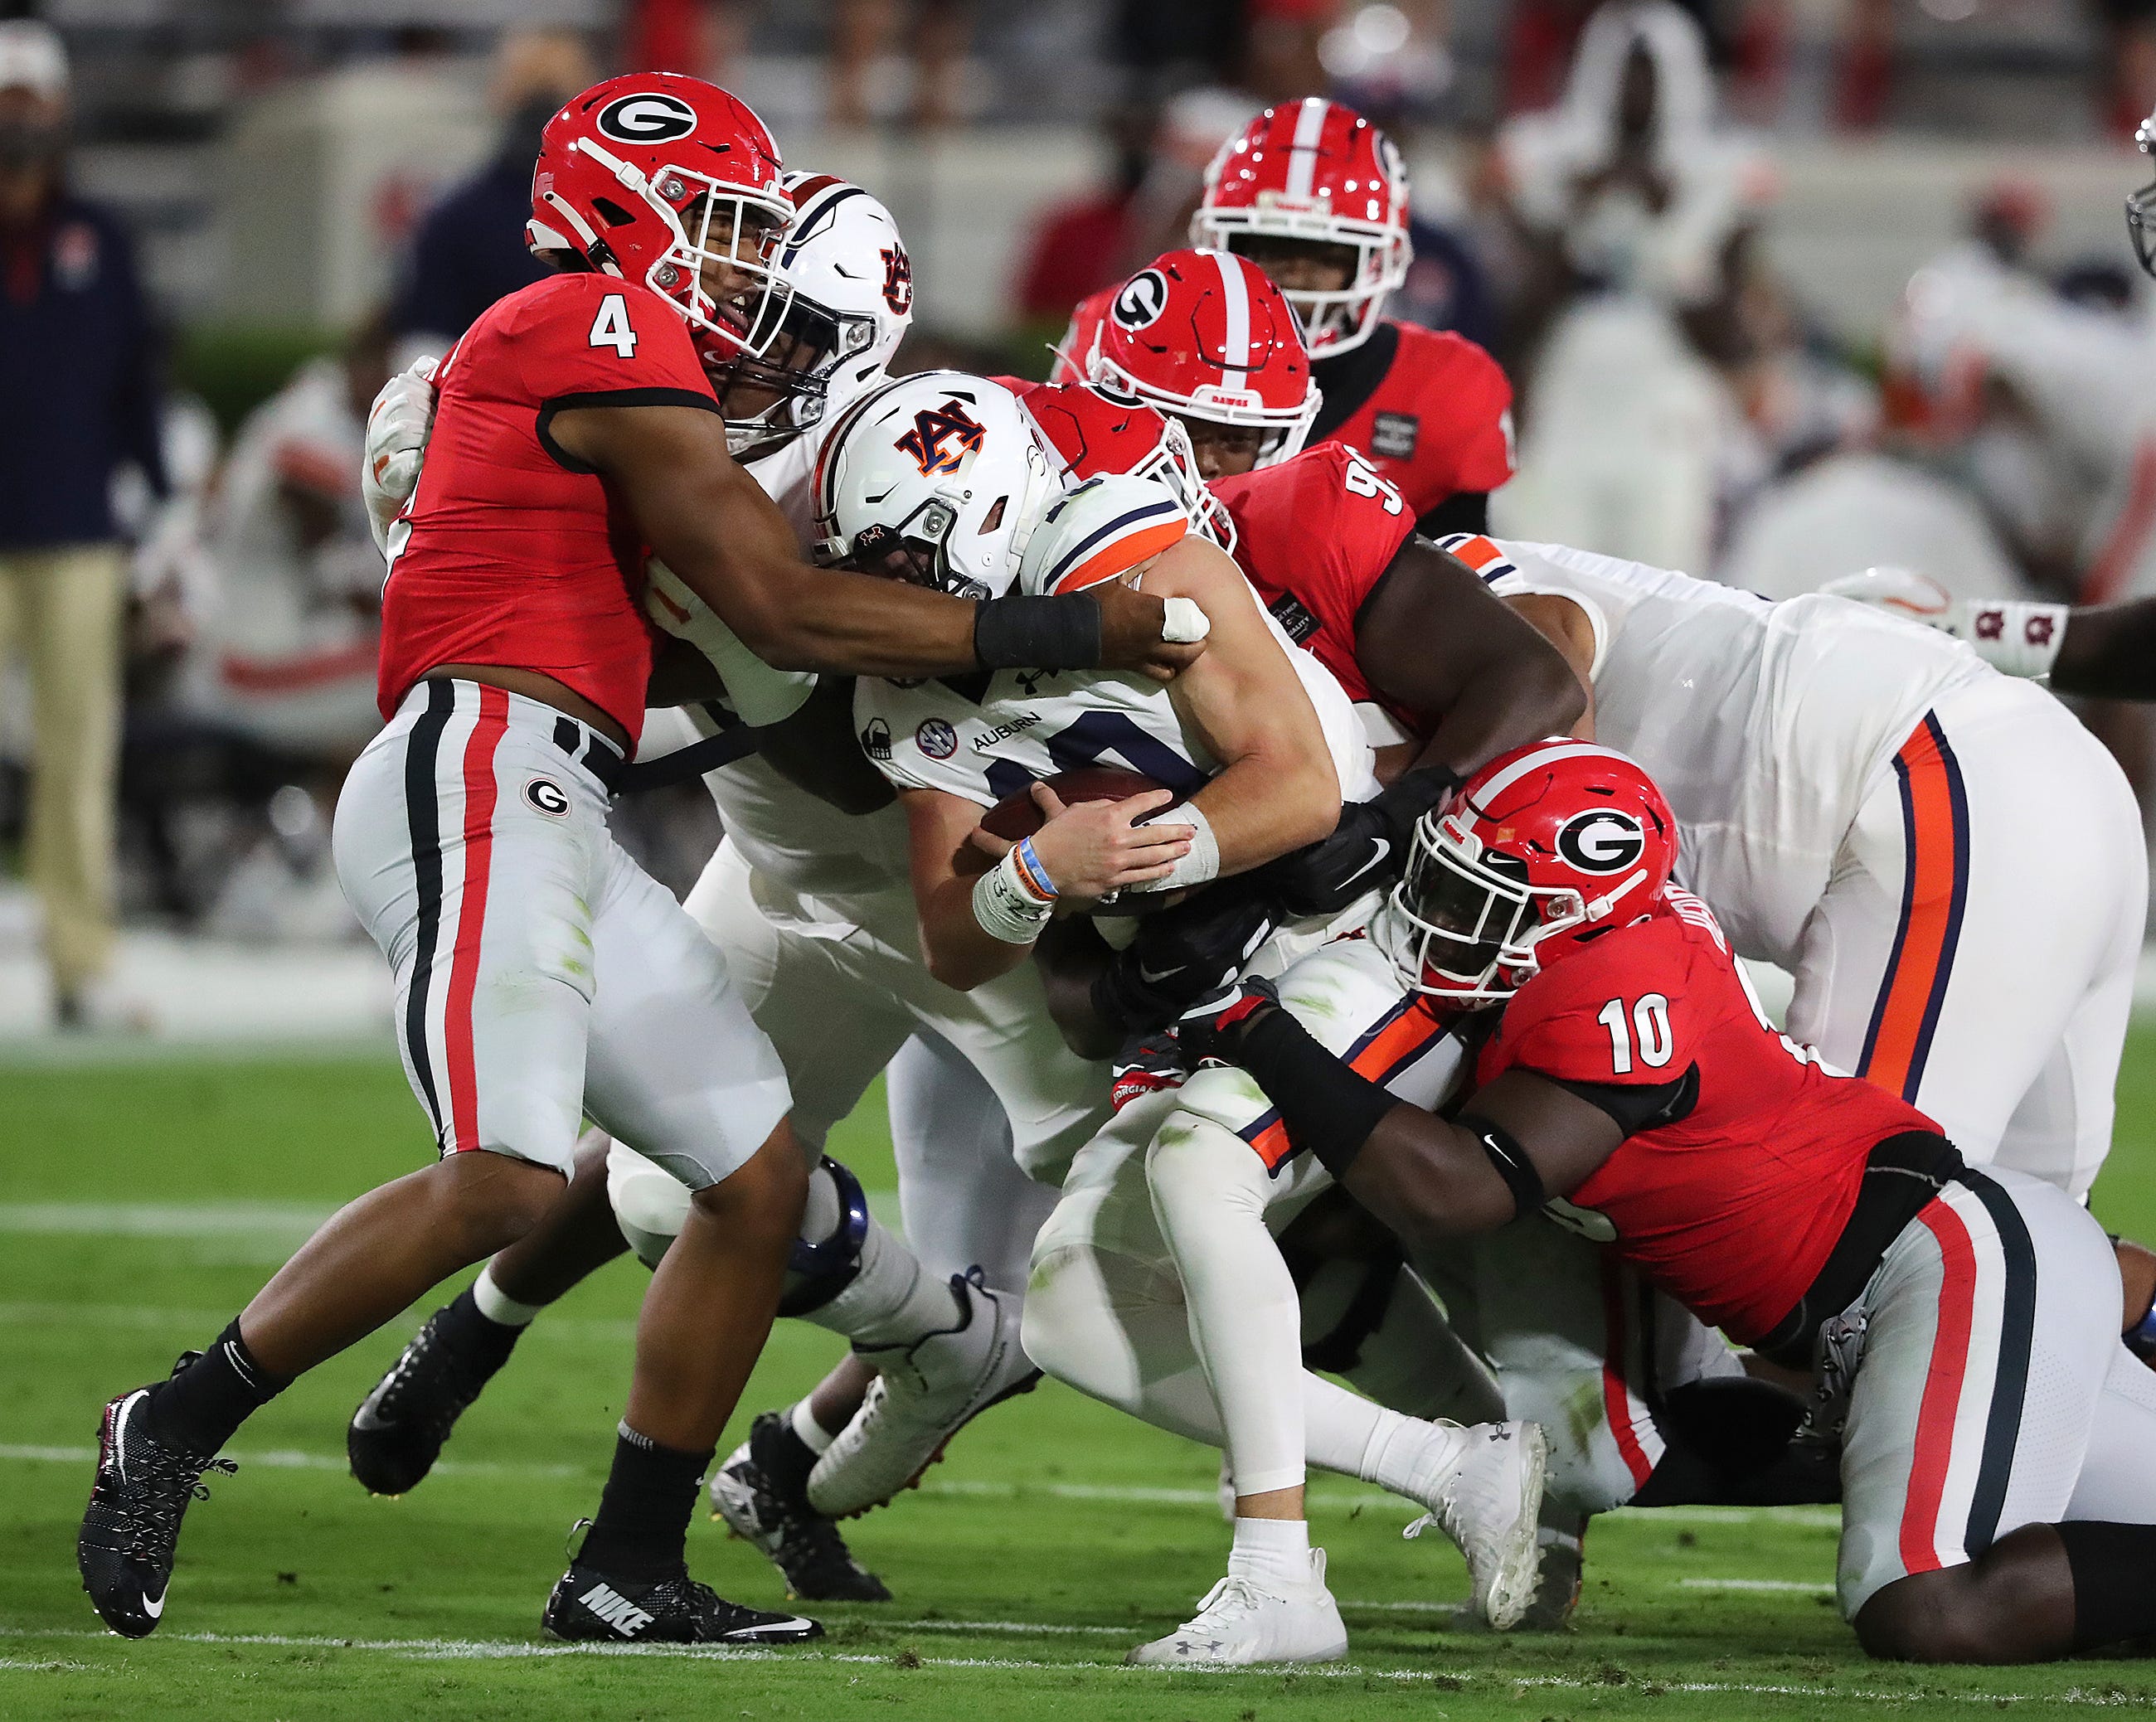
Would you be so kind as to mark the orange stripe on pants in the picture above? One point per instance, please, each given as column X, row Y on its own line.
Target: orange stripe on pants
column 1933, row 891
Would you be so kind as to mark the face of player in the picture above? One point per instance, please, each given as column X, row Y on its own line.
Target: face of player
column 731, row 287
column 1300, row 265
column 1225, row 451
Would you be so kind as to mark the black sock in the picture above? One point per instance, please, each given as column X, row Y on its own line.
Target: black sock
column 642, row 1531
column 201, row 1406
column 2112, row 1566
column 478, row 1335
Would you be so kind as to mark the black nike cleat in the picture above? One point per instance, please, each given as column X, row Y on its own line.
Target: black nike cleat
column 143, row 1487
column 762, row 1492
column 400, row 1427
column 589, row 1605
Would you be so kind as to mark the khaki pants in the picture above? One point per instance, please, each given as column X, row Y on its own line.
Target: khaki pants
column 62, row 608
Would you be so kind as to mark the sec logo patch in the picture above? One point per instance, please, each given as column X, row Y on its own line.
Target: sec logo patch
column 936, row 738
column 548, row 797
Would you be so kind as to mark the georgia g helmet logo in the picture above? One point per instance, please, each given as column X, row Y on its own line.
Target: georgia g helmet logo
column 1601, row 840
column 1144, row 297
column 647, row 117
column 933, row 427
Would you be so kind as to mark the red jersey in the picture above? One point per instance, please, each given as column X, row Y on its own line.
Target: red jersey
column 1433, row 412
column 517, row 554
column 1733, row 1208
column 1314, row 534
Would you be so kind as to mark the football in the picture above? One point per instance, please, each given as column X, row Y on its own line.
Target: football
column 1017, row 816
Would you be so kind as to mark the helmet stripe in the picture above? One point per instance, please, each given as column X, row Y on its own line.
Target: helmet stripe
column 1536, row 761
column 1302, row 154
column 1235, row 299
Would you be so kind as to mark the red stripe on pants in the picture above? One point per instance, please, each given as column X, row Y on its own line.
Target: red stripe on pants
column 1940, row 1409
column 1616, row 1396
column 471, row 915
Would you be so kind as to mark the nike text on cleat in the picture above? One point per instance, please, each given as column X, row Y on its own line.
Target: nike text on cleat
column 590, row 1605
column 1242, row 1620
column 142, row 1492
column 924, row 1393
column 400, row 1427
column 1484, row 1489
column 762, row 1492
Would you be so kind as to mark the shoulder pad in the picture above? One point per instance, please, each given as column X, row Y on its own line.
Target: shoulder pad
column 1100, row 528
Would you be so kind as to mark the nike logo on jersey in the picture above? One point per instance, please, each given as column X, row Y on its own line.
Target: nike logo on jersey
column 616, row 1610
column 1380, row 847
column 1153, row 977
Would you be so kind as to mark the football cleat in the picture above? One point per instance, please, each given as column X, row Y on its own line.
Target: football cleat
column 762, row 1492
column 1243, row 1620
column 924, row 1393
column 1556, row 1588
column 1484, row 1489
column 589, row 1605
column 141, row 1492
column 400, row 1428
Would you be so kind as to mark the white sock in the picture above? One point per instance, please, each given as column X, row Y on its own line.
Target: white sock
column 1401, row 1454
column 497, row 1305
column 817, row 1438
column 893, row 1300
column 1271, row 1551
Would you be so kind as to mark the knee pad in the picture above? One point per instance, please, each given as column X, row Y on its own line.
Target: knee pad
column 649, row 1205
column 827, row 1255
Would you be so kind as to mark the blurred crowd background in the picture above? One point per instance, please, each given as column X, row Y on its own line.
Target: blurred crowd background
column 1786, row 289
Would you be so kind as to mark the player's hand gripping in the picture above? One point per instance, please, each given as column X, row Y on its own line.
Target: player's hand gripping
column 1212, row 1028
column 1182, row 954
column 397, row 426
column 1093, row 849
column 1139, row 632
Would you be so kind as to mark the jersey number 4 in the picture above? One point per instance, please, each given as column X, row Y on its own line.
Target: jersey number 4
column 611, row 327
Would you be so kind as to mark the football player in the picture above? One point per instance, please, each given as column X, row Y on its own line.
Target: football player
column 531, row 957
column 1316, row 196
column 807, row 898
column 1625, row 1080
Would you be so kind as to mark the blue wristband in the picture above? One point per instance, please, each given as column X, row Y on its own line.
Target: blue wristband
column 1032, row 873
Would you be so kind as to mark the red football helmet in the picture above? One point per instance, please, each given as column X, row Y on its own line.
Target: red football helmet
column 1543, row 846
column 1093, row 434
column 1318, row 172
column 1207, row 335
column 640, row 175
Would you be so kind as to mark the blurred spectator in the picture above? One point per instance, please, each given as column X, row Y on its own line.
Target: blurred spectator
column 470, row 250
column 1806, row 65
column 1079, row 246
column 75, row 338
column 862, row 32
column 2128, row 63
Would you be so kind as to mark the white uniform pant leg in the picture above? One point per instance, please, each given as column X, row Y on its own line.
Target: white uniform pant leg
column 679, row 1071
column 1991, row 1328
column 1969, row 956
column 2117, row 1482
column 822, row 991
column 472, row 849
column 964, row 1201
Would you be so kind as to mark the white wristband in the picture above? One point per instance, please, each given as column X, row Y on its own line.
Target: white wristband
column 2013, row 637
column 1202, row 864
column 1006, row 907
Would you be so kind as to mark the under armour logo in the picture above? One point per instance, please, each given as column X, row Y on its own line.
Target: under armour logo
column 933, row 427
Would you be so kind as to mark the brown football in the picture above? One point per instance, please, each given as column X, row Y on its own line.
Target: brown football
column 1016, row 815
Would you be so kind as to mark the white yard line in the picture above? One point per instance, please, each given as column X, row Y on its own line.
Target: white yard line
column 503, row 1650
column 1804, row 1586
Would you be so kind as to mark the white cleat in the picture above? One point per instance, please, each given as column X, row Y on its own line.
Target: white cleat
column 924, row 1393
column 1485, row 1491
column 1241, row 1621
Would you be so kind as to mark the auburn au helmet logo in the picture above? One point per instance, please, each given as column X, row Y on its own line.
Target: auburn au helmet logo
column 934, row 426
column 897, row 280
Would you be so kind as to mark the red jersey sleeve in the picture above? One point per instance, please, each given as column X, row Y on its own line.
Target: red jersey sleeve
column 1471, row 396
column 1439, row 422
column 600, row 342
column 1620, row 1010
column 1315, row 535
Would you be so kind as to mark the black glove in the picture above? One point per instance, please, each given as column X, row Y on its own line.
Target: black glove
column 1182, row 955
column 1214, row 1027
column 1148, row 1064
column 1366, row 851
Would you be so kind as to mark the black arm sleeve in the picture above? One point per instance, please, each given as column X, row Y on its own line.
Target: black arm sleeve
column 1324, row 1106
column 2109, row 652
column 1634, row 1107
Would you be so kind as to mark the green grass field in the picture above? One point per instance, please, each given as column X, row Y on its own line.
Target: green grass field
column 143, row 1203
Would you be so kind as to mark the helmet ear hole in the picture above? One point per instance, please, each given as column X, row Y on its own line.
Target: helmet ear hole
column 994, row 517
column 615, row 214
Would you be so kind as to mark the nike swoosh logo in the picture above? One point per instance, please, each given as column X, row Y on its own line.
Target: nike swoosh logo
column 366, row 1420
column 155, row 1606
column 1383, row 848
column 1153, row 977
column 769, row 1626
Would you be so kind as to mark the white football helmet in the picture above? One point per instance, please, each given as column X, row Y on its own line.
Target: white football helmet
column 938, row 479
column 842, row 302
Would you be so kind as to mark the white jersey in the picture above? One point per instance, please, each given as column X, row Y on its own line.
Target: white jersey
column 989, row 735
column 1764, row 723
